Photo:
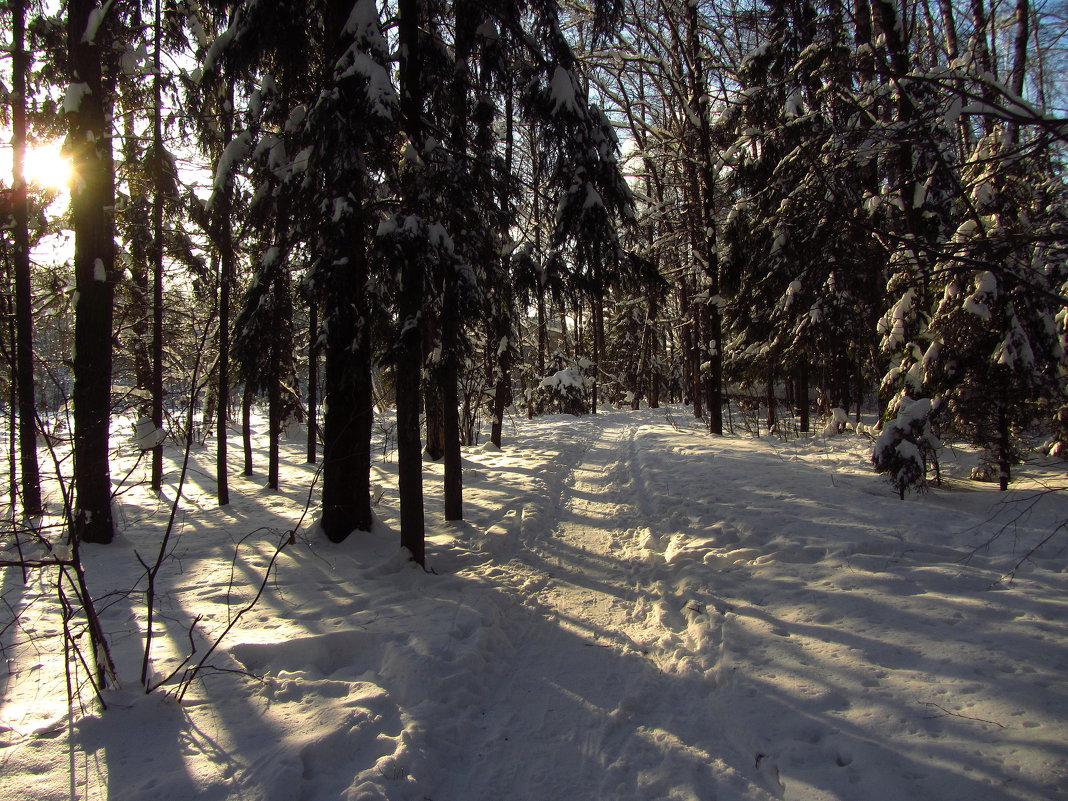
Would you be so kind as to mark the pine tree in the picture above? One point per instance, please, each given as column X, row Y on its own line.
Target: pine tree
column 87, row 105
column 997, row 358
column 30, row 474
column 349, row 131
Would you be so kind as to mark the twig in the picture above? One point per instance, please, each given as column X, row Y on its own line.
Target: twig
column 150, row 592
column 191, row 673
column 946, row 713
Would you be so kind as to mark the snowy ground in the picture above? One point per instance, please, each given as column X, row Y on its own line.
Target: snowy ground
column 632, row 610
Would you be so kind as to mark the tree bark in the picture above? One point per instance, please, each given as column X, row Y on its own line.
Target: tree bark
column 246, row 429
column 223, row 391
column 349, row 409
column 772, row 413
column 501, row 327
column 274, row 415
column 409, row 360
column 710, row 345
column 92, row 210
column 450, row 380
column 313, row 381
column 433, row 408
column 27, row 421
column 1019, row 60
column 1004, row 449
column 157, row 248
column 227, row 262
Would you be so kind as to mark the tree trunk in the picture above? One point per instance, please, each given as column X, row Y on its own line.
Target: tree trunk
column 450, row 379
column 691, row 360
column 597, row 321
column 92, row 209
column 772, row 414
column 246, row 429
column 802, row 395
column 274, row 418
column 502, row 316
column 349, row 412
column 313, row 381
column 710, row 345
column 502, row 390
column 157, row 248
column 409, row 360
column 543, row 339
column 223, row 390
column 224, row 244
column 12, row 454
column 433, row 408
column 1019, row 60
column 1004, row 449
column 27, row 421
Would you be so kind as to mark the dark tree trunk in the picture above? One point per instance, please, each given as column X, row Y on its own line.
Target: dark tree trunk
column 349, row 390
column 225, row 247
column 12, row 454
column 711, row 345
column 450, row 380
column 501, row 327
column 246, row 429
column 543, row 339
column 349, row 412
column 222, row 411
column 1019, row 59
column 1004, row 449
column 27, row 422
column 409, row 360
column 691, row 367
column 597, row 321
column 274, row 418
column 502, row 390
column 157, row 248
column 92, row 205
column 313, row 381
column 802, row 395
column 433, row 408
column 772, row 412
column 223, row 391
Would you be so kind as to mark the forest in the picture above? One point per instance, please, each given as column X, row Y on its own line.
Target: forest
column 408, row 224
column 802, row 207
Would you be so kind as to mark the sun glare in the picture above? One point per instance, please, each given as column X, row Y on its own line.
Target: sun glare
column 47, row 167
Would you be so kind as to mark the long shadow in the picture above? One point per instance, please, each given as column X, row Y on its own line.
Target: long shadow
column 574, row 566
column 472, row 709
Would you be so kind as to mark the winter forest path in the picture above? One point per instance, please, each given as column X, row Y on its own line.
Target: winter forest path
column 612, row 689
column 632, row 610
column 695, row 617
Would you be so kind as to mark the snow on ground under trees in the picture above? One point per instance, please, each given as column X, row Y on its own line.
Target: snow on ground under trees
column 632, row 609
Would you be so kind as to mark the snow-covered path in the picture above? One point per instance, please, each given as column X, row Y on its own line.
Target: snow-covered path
column 587, row 711
column 631, row 610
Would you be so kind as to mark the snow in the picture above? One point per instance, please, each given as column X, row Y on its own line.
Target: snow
column 570, row 377
column 218, row 47
column 146, row 436
column 96, row 18
column 73, row 97
column 563, row 92
column 986, row 286
column 892, row 325
column 632, row 609
column 236, row 150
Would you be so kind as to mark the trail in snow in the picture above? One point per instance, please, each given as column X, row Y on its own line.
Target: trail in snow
column 597, row 704
column 631, row 610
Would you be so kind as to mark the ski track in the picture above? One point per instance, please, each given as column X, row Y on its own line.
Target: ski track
column 624, row 615
column 589, row 583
